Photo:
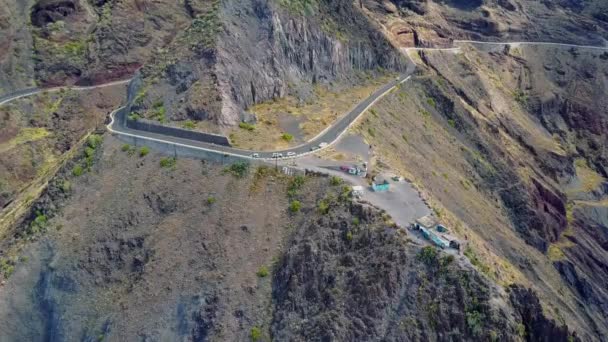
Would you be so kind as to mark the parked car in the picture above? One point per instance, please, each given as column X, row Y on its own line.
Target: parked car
column 344, row 168
column 314, row 148
column 255, row 155
column 277, row 155
column 291, row 154
column 322, row 145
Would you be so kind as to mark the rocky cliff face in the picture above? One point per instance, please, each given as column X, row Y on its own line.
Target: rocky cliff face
column 348, row 281
column 253, row 51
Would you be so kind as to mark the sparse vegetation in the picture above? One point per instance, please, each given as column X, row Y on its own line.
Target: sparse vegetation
column 159, row 111
column 301, row 7
column 39, row 224
column 238, row 169
column 472, row 256
column 555, row 253
column 66, row 186
column 263, row 272
column 7, row 267
column 134, row 116
column 77, row 171
column 371, row 132
column 335, row 181
column 168, row 162
column 189, row 124
column 295, row 206
column 520, row 96
column 287, row 137
column 246, row 126
column 144, row 151
column 428, row 255
column 294, row 185
column 323, row 206
column 255, row 334
column 521, row 330
column 475, row 322
column 94, row 140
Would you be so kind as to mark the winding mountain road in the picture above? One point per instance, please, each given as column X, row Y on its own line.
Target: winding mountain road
column 35, row 90
column 326, row 138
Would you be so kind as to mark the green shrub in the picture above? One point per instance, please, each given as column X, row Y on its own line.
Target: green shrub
column 356, row 221
column 189, row 124
column 94, row 140
column 295, row 206
column 66, row 186
column 452, row 123
column 77, row 171
column 263, row 272
column 349, row 236
column 144, row 151
column 431, row 102
column 211, row 200
column 158, row 104
column 335, row 180
column 256, row 334
column 134, row 116
column 89, row 152
column 168, row 162
column 246, row 126
column 38, row 224
column 126, row 148
column 521, row 330
column 323, row 206
column 475, row 322
column 374, row 112
column 238, row 169
column 294, row 185
column 287, row 137
column 428, row 255
column 371, row 132
column 7, row 267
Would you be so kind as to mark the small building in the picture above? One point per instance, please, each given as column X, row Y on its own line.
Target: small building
column 427, row 222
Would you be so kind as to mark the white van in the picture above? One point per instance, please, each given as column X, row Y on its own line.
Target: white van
column 322, row 145
column 291, row 154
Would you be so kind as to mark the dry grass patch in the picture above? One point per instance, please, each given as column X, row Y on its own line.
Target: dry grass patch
column 326, row 106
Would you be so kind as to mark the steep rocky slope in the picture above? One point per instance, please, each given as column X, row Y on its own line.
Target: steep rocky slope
column 239, row 53
column 511, row 140
column 134, row 250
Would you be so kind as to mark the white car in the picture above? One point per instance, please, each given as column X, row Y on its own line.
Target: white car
column 291, row 154
column 255, row 155
column 322, row 145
